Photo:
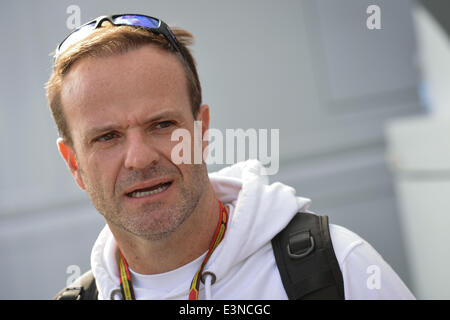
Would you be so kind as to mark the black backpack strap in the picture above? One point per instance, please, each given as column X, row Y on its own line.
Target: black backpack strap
column 84, row 288
column 306, row 260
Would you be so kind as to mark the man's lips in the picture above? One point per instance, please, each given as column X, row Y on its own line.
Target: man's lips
column 148, row 187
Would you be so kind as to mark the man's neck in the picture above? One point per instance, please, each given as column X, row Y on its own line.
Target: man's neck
column 188, row 242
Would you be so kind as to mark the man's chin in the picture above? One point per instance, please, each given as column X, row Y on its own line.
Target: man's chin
column 158, row 224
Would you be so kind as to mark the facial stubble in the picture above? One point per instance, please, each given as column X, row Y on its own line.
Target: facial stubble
column 155, row 220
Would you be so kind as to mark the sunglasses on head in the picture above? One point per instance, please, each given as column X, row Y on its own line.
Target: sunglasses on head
column 151, row 24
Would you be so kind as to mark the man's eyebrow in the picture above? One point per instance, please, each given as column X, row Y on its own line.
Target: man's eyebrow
column 111, row 127
column 163, row 115
column 95, row 131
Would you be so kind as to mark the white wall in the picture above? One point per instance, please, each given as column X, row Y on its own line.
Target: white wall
column 419, row 154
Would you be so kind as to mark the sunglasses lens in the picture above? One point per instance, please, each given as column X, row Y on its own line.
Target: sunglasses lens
column 77, row 35
column 135, row 20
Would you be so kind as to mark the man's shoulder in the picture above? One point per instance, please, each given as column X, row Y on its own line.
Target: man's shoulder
column 344, row 241
column 366, row 274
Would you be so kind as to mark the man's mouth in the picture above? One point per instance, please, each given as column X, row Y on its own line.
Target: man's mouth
column 139, row 193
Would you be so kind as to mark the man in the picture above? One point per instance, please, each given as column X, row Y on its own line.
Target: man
column 117, row 94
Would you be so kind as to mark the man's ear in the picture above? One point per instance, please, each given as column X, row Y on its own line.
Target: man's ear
column 68, row 155
column 203, row 116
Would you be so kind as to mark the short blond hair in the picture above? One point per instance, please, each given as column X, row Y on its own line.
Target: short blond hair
column 111, row 40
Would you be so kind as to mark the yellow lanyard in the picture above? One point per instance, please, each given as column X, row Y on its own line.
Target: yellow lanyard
column 125, row 277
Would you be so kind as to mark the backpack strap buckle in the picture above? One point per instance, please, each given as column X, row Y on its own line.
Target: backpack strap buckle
column 71, row 293
column 84, row 288
column 300, row 244
column 306, row 259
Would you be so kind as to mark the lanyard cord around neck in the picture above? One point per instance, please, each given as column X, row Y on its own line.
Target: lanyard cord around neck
column 126, row 286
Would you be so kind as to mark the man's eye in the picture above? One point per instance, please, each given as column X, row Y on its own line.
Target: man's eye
column 106, row 137
column 164, row 124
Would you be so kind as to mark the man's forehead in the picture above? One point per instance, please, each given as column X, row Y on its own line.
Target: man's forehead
column 147, row 76
column 145, row 65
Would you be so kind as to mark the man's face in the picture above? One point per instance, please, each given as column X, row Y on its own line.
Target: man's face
column 121, row 112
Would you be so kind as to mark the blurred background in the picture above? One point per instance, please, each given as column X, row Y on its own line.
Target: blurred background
column 360, row 97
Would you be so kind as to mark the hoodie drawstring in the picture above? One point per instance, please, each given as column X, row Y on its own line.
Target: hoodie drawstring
column 208, row 295
column 208, row 278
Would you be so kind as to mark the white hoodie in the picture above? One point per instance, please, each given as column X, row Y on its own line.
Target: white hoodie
column 244, row 264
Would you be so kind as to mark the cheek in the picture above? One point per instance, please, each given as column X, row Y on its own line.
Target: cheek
column 103, row 169
column 165, row 146
column 188, row 147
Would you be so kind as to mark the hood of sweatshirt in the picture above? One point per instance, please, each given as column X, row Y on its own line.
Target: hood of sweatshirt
column 259, row 211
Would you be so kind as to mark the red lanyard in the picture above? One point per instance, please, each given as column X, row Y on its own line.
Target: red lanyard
column 125, row 277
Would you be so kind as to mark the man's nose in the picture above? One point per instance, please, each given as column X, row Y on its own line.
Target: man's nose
column 140, row 153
